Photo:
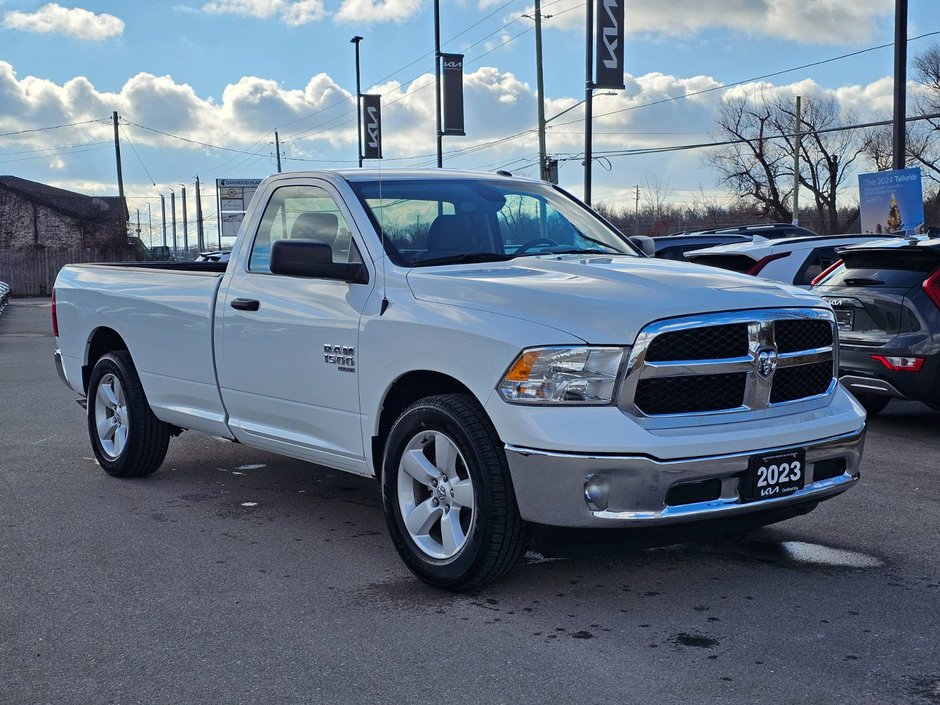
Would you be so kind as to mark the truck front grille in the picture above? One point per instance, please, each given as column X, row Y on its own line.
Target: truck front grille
column 688, row 395
column 730, row 362
column 713, row 342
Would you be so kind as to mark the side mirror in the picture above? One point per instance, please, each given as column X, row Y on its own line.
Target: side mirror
column 644, row 244
column 314, row 259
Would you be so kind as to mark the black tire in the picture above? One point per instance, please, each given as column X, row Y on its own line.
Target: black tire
column 873, row 403
column 144, row 437
column 495, row 536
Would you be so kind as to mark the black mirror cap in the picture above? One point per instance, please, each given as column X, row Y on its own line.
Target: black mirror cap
column 314, row 259
column 644, row 244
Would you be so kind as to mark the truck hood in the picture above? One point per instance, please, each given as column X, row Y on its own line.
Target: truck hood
column 600, row 299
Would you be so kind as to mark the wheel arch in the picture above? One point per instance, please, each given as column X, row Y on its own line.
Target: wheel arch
column 101, row 341
column 403, row 392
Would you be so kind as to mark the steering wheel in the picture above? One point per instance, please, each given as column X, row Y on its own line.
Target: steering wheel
column 534, row 242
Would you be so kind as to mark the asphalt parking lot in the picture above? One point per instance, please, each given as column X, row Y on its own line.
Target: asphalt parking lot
column 237, row 576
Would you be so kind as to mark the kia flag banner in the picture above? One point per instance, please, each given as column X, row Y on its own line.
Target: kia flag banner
column 452, row 89
column 608, row 37
column 372, row 126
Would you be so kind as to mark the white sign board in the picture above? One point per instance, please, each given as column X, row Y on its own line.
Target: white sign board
column 233, row 197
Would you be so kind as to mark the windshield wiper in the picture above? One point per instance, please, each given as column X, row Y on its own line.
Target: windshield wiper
column 572, row 251
column 463, row 258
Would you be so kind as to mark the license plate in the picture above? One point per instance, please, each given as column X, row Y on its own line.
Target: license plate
column 774, row 475
column 845, row 318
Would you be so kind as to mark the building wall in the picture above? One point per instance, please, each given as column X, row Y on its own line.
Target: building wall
column 37, row 240
column 25, row 223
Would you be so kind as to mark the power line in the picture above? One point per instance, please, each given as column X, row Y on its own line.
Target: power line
column 725, row 86
column 137, row 154
column 52, row 127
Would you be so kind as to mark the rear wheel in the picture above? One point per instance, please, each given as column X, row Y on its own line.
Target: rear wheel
column 873, row 403
column 127, row 439
column 448, row 497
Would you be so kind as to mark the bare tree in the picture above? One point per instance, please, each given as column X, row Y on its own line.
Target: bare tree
column 923, row 143
column 922, row 137
column 758, row 161
column 754, row 164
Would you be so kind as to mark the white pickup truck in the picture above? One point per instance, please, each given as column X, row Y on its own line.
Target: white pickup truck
column 500, row 357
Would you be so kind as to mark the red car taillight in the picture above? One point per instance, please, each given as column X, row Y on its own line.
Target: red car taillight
column 764, row 261
column 55, row 320
column 825, row 273
column 932, row 287
column 906, row 363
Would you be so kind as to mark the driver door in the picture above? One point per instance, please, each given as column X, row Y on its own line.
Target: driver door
column 287, row 345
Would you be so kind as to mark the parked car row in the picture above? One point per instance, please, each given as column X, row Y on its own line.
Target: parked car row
column 676, row 245
column 885, row 293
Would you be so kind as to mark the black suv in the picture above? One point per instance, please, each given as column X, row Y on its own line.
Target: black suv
column 886, row 298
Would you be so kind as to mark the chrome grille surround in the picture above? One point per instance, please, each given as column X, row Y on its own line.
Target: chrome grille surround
column 755, row 402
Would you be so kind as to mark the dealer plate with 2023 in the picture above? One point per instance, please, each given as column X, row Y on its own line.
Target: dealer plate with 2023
column 774, row 475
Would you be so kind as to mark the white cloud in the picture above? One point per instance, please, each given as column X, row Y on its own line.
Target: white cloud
column 291, row 12
column 317, row 121
column 823, row 21
column 72, row 22
column 366, row 11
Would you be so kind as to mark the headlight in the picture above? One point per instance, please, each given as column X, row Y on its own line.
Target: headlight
column 582, row 375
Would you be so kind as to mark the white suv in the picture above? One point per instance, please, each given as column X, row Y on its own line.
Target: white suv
column 795, row 261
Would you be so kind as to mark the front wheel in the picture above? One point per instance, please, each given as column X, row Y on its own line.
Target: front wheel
column 448, row 497
column 127, row 439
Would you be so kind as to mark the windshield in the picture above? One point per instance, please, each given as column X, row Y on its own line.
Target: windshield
column 442, row 221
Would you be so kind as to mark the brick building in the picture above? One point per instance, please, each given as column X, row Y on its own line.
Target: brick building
column 43, row 228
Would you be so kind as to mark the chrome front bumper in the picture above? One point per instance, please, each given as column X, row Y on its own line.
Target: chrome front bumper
column 550, row 487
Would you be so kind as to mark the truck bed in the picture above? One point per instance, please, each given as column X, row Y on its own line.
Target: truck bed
column 164, row 313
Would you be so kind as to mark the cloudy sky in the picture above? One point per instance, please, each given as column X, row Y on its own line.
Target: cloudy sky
column 201, row 85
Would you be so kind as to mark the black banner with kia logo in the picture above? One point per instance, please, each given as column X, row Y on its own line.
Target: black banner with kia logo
column 372, row 126
column 452, row 89
column 608, row 38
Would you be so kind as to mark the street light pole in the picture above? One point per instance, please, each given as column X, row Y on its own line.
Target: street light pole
column 355, row 40
column 900, row 82
column 437, row 81
column 588, row 100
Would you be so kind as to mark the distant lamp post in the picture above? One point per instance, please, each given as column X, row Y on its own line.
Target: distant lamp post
column 355, row 40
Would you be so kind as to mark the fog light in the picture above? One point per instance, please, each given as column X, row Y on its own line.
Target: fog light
column 597, row 491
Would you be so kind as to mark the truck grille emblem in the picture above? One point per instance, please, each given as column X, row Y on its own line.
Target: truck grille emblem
column 766, row 362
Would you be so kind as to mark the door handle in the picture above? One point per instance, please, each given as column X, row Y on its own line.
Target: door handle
column 245, row 304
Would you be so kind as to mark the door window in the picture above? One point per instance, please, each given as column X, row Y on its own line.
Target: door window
column 302, row 212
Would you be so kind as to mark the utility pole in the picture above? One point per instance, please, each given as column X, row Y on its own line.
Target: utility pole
column 173, row 216
column 138, row 223
column 163, row 216
column 798, row 143
column 117, row 156
column 437, row 81
column 277, row 150
column 588, row 100
column 355, row 40
column 150, row 223
column 200, row 237
column 900, row 81
column 540, row 90
column 185, row 228
column 636, row 212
